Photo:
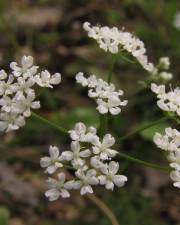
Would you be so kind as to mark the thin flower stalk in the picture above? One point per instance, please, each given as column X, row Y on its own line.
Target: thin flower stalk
column 104, row 208
column 137, row 131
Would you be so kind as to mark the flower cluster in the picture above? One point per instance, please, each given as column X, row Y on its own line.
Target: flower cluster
column 160, row 71
column 169, row 101
column 115, row 40
column 170, row 142
column 17, row 96
column 91, row 160
column 107, row 98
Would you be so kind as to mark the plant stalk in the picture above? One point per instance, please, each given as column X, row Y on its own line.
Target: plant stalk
column 111, row 68
column 42, row 119
column 142, row 128
column 144, row 163
column 104, row 208
column 104, row 118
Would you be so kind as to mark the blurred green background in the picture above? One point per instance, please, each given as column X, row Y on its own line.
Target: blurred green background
column 51, row 31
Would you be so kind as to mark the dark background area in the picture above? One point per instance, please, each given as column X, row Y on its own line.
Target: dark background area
column 51, row 31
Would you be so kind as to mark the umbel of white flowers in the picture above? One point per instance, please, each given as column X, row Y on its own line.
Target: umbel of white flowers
column 170, row 142
column 91, row 160
column 169, row 101
column 107, row 98
column 115, row 40
column 17, row 93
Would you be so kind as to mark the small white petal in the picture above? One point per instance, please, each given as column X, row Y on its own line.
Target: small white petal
column 108, row 140
column 120, row 180
column 113, row 167
column 45, row 162
column 64, row 193
column 86, row 153
column 52, row 194
column 54, row 152
column 66, row 155
column 51, row 169
column 109, row 185
column 56, row 78
column 86, row 189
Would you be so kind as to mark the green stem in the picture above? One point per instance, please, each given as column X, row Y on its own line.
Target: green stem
column 143, row 128
column 126, row 59
column 104, row 118
column 103, row 124
column 104, row 208
column 144, row 163
column 42, row 119
column 111, row 68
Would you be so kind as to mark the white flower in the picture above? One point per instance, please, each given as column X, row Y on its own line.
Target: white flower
column 174, row 156
column 103, row 149
column 11, row 121
column 6, row 104
column 26, row 69
column 110, row 177
column 168, row 142
column 86, row 180
column 78, row 133
column 76, row 155
column 113, row 40
column 81, row 79
column 24, row 104
column 3, row 75
column 57, row 188
column 51, row 163
column 171, row 143
column 158, row 89
column 6, row 86
column 23, row 86
column 175, row 174
column 93, row 81
column 169, row 101
column 83, row 134
column 107, row 98
column 72, row 185
column 161, row 141
column 96, row 162
column 46, row 80
column 112, row 105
